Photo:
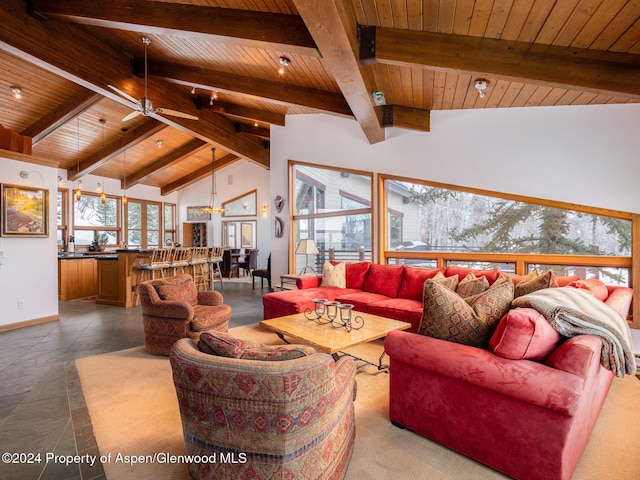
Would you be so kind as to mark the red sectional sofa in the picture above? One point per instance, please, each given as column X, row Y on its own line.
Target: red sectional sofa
column 387, row 290
column 525, row 406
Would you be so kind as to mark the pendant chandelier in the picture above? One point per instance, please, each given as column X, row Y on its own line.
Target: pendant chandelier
column 212, row 200
column 79, row 188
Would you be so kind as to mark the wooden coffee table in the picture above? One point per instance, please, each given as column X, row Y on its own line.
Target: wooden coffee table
column 328, row 339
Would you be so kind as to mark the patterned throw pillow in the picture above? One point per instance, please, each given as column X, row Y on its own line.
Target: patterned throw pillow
column 177, row 289
column 472, row 285
column 225, row 345
column 448, row 316
column 449, row 282
column 334, row 275
column 533, row 282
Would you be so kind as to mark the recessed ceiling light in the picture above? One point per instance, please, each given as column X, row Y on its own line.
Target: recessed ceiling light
column 284, row 63
column 17, row 92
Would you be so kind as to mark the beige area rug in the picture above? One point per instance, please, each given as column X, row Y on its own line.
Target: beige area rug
column 134, row 411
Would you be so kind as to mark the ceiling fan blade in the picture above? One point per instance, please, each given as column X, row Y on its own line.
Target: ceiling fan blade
column 131, row 115
column 175, row 113
column 123, row 94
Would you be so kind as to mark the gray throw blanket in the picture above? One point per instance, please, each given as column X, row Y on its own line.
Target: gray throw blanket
column 572, row 311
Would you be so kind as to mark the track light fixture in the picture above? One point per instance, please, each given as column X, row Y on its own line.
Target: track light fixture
column 481, row 86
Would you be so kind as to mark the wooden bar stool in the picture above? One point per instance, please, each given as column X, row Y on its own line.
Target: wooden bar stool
column 200, row 267
column 215, row 269
column 180, row 259
column 160, row 261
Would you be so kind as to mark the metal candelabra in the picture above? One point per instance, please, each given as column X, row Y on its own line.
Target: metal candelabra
column 336, row 314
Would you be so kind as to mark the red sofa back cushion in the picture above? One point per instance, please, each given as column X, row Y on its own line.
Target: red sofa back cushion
column 413, row 281
column 492, row 274
column 357, row 274
column 384, row 280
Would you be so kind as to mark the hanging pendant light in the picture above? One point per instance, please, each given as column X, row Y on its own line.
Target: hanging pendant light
column 103, row 196
column 212, row 209
column 79, row 188
column 124, row 170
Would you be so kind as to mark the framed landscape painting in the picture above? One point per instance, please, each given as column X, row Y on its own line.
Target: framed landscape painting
column 25, row 211
column 196, row 214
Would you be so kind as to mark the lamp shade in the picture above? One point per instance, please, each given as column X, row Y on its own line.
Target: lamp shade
column 307, row 247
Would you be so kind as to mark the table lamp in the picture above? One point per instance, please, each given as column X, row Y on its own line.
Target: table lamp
column 307, row 247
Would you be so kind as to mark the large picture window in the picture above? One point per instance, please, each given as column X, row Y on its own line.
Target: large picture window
column 439, row 219
column 143, row 221
column 96, row 221
column 332, row 207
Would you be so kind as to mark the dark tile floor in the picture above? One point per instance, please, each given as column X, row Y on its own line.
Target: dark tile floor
column 42, row 409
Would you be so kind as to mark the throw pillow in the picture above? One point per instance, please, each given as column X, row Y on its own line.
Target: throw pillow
column 524, row 333
column 594, row 286
column 472, row 285
column 449, row 282
column 334, row 275
column 177, row 289
column 225, row 345
column 448, row 316
column 532, row 283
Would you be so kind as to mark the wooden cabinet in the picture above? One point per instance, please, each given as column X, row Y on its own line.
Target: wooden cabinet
column 194, row 234
column 108, row 281
column 77, row 278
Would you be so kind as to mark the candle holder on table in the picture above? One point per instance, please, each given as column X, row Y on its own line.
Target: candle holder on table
column 336, row 314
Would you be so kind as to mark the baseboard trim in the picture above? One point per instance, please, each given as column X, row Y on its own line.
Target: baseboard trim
column 29, row 323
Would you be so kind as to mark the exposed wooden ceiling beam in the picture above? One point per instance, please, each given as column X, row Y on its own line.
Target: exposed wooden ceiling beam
column 239, row 111
column 116, row 147
column 68, row 51
column 197, row 175
column 588, row 70
column 61, row 114
column 261, row 89
column 405, row 117
column 333, row 26
column 251, row 130
column 172, row 158
column 273, row 31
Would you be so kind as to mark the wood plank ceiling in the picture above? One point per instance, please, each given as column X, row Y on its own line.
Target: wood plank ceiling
column 219, row 61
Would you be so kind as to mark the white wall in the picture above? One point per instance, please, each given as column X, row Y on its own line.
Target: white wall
column 586, row 155
column 29, row 267
column 231, row 181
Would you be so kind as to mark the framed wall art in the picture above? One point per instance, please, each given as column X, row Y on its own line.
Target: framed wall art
column 195, row 214
column 246, row 235
column 25, row 211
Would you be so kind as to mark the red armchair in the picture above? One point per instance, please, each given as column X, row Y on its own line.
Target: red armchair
column 173, row 308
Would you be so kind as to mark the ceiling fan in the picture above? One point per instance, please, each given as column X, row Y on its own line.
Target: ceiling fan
column 144, row 106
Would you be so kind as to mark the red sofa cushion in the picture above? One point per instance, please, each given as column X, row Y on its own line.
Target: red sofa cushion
column 396, row 308
column 524, row 333
column 360, row 300
column 357, row 274
column 594, row 286
column 491, row 274
column 384, row 279
column 413, row 281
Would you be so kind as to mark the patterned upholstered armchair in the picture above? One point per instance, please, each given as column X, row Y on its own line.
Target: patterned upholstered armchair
column 173, row 308
column 261, row 419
